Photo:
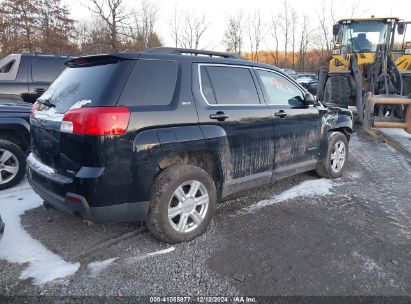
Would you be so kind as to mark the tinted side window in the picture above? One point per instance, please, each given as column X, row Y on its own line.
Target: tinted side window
column 280, row 90
column 206, row 86
column 43, row 70
column 151, row 83
column 231, row 85
column 7, row 67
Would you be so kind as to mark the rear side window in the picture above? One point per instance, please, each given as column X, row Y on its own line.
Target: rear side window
column 89, row 85
column 228, row 85
column 7, row 67
column 46, row 70
column 151, row 83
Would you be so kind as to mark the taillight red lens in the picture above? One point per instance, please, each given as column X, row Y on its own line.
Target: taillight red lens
column 73, row 199
column 96, row 121
column 34, row 108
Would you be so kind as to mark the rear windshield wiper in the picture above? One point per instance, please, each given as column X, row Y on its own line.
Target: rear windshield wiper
column 46, row 102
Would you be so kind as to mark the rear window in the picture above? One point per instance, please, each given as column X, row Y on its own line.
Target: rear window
column 46, row 70
column 152, row 83
column 228, row 85
column 89, row 85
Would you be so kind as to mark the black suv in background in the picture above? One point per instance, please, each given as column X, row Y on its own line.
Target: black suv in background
column 26, row 76
column 14, row 141
column 164, row 134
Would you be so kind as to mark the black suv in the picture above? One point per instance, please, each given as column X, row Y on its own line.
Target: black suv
column 26, row 76
column 164, row 134
column 14, row 141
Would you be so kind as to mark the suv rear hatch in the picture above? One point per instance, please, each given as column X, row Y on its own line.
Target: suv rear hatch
column 62, row 122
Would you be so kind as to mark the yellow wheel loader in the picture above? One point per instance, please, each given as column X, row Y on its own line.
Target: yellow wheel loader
column 370, row 69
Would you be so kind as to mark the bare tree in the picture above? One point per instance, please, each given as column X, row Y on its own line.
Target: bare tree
column 327, row 17
column 294, row 24
column 256, row 33
column 175, row 25
column 285, row 26
column 114, row 15
column 304, row 42
column 193, row 29
column 143, row 34
column 275, row 24
column 233, row 36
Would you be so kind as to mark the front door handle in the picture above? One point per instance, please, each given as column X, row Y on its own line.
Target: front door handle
column 281, row 114
column 39, row 90
column 220, row 116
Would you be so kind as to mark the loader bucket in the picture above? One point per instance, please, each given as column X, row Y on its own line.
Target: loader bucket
column 372, row 121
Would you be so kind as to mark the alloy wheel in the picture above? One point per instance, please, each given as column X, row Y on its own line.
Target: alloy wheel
column 338, row 155
column 9, row 166
column 188, row 206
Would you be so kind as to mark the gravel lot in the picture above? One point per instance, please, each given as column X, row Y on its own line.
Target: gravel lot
column 352, row 239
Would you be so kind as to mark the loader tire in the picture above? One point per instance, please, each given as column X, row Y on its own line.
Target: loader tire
column 337, row 91
column 406, row 85
column 321, row 83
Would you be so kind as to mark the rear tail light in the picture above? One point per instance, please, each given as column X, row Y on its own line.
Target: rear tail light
column 73, row 199
column 96, row 121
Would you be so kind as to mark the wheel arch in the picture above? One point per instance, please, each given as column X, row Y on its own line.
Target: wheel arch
column 204, row 159
column 17, row 136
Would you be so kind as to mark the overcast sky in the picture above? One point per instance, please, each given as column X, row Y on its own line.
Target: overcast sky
column 217, row 11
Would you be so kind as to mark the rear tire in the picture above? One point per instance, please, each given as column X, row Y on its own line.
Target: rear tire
column 183, row 191
column 12, row 164
column 333, row 166
column 337, row 91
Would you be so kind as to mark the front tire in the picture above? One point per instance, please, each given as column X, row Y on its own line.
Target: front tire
column 337, row 91
column 333, row 166
column 182, row 204
column 12, row 164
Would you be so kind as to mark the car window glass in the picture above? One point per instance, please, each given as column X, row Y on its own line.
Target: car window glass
column 81, row 84
column 280, row 90
column 45, row 70
column 206, row 87
column 7, row 67
column 232, row 85
column 152, row 82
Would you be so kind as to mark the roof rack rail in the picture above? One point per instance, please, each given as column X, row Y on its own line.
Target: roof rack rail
column 193, row 52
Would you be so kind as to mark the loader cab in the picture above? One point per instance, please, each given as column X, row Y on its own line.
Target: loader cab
column 361, row 36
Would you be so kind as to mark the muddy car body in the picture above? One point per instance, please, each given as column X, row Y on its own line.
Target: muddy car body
column 177, row 117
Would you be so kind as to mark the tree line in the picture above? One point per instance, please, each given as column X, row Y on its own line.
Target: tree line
column 293, row 38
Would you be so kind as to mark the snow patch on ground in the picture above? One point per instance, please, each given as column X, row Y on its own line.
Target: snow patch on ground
column 39, row 166
column 80, row 104
column 309, row 188
column 98, row 266
column 369, row 265
column 354, row 174
column 17, row 246
column 151, row 254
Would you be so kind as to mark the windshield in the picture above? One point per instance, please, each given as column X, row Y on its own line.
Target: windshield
column 364, row 36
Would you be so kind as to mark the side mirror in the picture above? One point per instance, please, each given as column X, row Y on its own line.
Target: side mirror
column 309, row 99
column 336, row 29
column 400, row 27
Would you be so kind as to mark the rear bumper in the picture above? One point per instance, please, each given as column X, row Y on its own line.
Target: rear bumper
column 127, row 212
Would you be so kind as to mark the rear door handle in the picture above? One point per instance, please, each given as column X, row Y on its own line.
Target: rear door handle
column 220, row 116
column 39, row 90
column 281, row 114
